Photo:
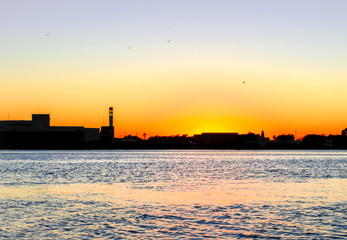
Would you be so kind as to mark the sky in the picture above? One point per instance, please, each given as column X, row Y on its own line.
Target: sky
column 177, row 66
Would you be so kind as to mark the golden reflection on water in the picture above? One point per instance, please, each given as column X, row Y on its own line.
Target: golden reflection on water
column 221, row 193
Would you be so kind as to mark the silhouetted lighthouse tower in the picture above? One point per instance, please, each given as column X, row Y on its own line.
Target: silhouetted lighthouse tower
column 107, row 132
column 110, row 113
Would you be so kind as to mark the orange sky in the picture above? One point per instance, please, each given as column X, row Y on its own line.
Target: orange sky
column 186, row 102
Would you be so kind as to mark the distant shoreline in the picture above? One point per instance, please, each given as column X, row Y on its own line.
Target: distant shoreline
column 164, row 148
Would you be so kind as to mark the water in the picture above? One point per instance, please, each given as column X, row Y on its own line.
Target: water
column 173, row 194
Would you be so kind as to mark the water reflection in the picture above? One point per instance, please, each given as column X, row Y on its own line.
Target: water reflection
column 245, row 209
column 177, row 195
column 217, row 193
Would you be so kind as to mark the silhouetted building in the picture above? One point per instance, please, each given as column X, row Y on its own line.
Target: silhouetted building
column 38, row 133
column 216, row 140
column 107, row 132
column 230, row 140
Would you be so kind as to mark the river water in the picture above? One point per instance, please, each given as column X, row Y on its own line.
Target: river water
column 173, row 194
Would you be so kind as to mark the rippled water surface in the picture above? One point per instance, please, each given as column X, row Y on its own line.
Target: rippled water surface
column 173, row 194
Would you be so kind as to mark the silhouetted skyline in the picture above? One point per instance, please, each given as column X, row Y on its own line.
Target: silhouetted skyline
column 39, row 134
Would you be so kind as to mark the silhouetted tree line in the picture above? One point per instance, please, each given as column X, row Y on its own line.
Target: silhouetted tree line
column 311, row 141
column 236, row 141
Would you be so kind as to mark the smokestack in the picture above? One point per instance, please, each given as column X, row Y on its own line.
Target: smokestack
column 111, row 116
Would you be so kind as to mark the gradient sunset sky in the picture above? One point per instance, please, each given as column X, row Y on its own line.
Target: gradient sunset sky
column 178, row 66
